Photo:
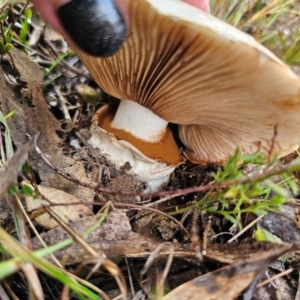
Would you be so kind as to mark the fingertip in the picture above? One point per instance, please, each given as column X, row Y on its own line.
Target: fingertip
column 201, row 4
column 96, row 26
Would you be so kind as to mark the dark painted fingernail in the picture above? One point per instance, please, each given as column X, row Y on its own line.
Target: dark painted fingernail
column 96, row 26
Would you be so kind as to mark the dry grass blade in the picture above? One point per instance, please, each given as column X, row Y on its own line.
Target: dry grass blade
column 33, row 280
column 23, row 255
column 111, row 267
column 11, row 169
column 161, row 280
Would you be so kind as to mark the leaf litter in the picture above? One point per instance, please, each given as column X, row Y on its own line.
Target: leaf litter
column 130, row 233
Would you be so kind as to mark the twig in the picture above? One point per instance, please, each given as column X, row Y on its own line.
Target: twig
column 62, row 103
column 129, row 276
column 161, row 200
column 288, row 271
column 36, row 232
column 154, row 255
column 221, row 233
column 245, row 229
column 205, row 236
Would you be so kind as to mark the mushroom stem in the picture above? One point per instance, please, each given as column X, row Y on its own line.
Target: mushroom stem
column 149, row 162
column 140, row 121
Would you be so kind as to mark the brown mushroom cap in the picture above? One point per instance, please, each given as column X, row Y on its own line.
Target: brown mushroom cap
column 223, row 88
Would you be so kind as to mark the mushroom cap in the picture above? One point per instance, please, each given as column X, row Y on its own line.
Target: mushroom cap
column 222, row 87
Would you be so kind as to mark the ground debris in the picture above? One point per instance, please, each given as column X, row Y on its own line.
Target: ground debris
column 229, row 282
column 32, row 116
column 114, row 237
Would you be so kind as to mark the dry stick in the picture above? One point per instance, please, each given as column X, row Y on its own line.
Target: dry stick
column 196, row 245
column 153, row 256
column 221, row 233
column 245, row 229
column 161, row 200
column 62, row 103
column 163, row 277
column 35, row 231
column 288, row 271
column 7, row 290
column 129, row 276
column 205, row 236
column 290, row 167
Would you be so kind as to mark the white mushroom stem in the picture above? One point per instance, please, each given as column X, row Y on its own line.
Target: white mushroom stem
column 140, row 121
column 120, row 152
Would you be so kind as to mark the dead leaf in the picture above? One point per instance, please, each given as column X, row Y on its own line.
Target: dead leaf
column 228, row 282
column 67, row 212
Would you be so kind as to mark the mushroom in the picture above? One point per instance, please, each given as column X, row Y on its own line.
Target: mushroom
column 181, row 65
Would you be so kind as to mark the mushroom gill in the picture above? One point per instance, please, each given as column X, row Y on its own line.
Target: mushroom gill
column 218, row 84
